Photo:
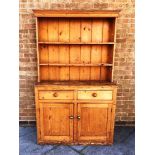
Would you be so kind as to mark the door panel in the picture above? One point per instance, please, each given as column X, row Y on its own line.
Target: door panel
column 56, row 124
column 93, row 122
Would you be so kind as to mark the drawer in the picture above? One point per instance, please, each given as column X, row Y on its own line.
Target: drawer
column 56, row 95
column 95, row 94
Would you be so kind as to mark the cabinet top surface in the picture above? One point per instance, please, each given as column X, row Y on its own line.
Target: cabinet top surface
column 76, row 13
column 76, row 83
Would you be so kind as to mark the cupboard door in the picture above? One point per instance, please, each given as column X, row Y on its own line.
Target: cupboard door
column 93, row 122
column 56, row 122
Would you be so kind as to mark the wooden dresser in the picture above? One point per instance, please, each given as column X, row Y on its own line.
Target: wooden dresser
column 75, row 95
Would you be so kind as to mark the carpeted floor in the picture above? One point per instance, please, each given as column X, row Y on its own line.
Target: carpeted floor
column 124, row 144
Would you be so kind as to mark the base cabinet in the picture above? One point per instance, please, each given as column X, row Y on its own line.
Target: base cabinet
column 73, row 120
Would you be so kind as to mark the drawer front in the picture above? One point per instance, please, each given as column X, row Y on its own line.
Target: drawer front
column 56, row 95
column 95, row 94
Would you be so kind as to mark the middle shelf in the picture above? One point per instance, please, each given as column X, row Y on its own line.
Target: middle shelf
column 75, row 43
column 89, row 65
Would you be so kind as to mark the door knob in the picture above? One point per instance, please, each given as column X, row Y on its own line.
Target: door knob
column 71, row 117
column 78, row 117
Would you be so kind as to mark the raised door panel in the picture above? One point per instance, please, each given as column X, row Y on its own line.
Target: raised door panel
column 93, row 122
column 55, row 122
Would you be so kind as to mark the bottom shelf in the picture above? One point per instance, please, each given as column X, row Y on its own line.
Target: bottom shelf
column 48, row 73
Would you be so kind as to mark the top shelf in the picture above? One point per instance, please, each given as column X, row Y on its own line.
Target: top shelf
column 78, row 43
column 76, row 13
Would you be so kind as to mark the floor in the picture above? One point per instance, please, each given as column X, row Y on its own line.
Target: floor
column 124, row 144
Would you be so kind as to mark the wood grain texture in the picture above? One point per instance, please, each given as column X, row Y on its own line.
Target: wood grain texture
column 53, row 29
column 75, row 43
column 95, row 95
column 55, row 122
column 96, row 122
column 38, row 55
column 92, row 124
column 44, row 55
column 105, row 30
column 54, row 72
column 44, row 73
column 97, row 25
column 75, row 28
column 86, row 30
column 95, row 58
column 63, row 30
column 75, row 97
column 74, row 59
column 42, row 29
column 85, row 59
column 76, row 13
column 114, row 46
column 64, row 58
column 57, row 95
column 84, row 54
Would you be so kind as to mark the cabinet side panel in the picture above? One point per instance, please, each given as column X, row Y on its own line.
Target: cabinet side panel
column 37, row 115
column 38, row 66
column 114, row 47
column 113, row 115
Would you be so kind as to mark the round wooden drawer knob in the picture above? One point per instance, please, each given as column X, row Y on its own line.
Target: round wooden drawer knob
column 55, row 94
column 94, row 94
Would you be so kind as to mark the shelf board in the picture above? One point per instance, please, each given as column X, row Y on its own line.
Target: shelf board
column 77, row 43
column 76, row 13
column 78, row 65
